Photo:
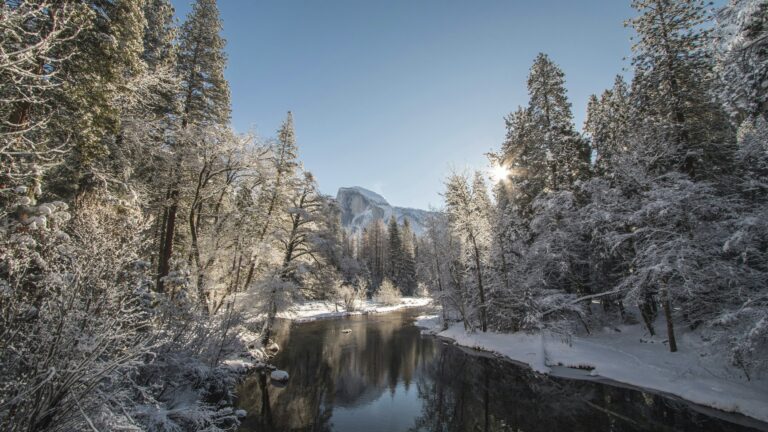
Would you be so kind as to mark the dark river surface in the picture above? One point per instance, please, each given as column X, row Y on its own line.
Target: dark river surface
column 384, row 376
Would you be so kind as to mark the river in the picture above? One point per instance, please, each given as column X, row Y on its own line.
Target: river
column 384, row 376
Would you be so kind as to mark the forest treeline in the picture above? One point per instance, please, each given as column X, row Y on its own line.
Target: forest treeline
column 133, row 218
column 131, row 215
column 658, row 209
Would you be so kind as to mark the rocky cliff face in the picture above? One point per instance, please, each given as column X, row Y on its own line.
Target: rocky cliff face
column 360, row 207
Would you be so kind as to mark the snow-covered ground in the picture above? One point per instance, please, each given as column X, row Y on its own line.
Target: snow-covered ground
column 317, row 310
column 629, row 356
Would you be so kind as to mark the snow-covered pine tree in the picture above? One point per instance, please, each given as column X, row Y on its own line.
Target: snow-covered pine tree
column 467, row 207
column 607, row 124
column 680, row 127
column 296, row 244
column 567, row 155
column 395, row 253
column 741, row 51
column 373, row 252
column 160, row 57
column 200, row 63
column 283, row 164
column 33, row 53
column 524, row 158
column 159, row 34
column 408, row 281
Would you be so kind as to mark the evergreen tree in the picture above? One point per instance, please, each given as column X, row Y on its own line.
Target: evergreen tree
column 408, row 281
column 741, row 50
column 159, row 34
column 681, row 127
column 201, row 62
column 607, row 124
column 395, row 256
column 468, row 218
column 566, row 154
column 205, row 102
column 36, row 45
column 98, row 81
column 160, row 57
column 275, row 193
column 524, row 158
column 373, row 252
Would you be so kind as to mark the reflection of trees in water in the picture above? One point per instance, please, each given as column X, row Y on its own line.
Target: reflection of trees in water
column 328, row 368
column 464, row 392
column 459, row 391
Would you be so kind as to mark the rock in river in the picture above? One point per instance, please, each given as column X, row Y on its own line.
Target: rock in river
column 279, row 376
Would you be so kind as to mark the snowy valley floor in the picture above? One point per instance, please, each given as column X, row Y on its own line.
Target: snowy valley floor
column 627, row 356
column 317, row 310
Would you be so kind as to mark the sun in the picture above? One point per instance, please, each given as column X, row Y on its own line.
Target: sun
column 499, row 173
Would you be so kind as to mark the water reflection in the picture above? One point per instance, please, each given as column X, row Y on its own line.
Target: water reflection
column 384, row 376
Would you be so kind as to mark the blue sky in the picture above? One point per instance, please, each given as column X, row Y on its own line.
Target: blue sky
column 392, row 95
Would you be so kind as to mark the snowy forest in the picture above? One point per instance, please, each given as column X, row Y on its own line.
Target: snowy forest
column 659, row 207
column 144, row 243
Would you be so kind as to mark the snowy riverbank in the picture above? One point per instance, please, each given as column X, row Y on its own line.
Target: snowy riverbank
column 629, row 356
column 318, row 310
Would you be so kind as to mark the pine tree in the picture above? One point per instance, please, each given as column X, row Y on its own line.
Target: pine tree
column 88, row 108
column 408, row 276
column 741, row 50
column 566, row 154
column 160, row 57
column 201, row 62
column 283, row 161
column 36, row 46
column 682, row 128
column 607, row 124
column 374, row 252
column 468, row 215
column 524, row 158
column 159, row 34
column 205, row 102
column 395, row 256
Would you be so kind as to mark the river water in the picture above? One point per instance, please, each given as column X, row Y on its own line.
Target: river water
column 384, row 376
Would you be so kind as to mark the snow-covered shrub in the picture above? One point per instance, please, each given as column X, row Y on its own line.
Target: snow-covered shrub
column 277, row 293
column 75, row 314
column 350, row 296
column 387, row 293
column 744, row 332
column 178, row 392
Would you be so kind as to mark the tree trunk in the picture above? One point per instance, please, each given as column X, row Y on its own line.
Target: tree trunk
column 166, row 246
column 645, row 312
column 668, row 315
column 200, row 280
column 483, row 318
column 265, row 228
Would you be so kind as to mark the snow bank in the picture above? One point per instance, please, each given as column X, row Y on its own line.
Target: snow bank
column 520, row 347
column 432, row 324
column 318, row 310
column 628, row 356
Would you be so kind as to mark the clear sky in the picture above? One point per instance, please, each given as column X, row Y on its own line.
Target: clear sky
column 393, row 94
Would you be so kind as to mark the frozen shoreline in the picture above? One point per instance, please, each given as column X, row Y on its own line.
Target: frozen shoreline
column 626, row 356
column 319, row 310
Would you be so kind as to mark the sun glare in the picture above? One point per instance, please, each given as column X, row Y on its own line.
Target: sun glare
column 499, row 173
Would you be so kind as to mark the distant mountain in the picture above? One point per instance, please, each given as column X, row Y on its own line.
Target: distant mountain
column 360, row 207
